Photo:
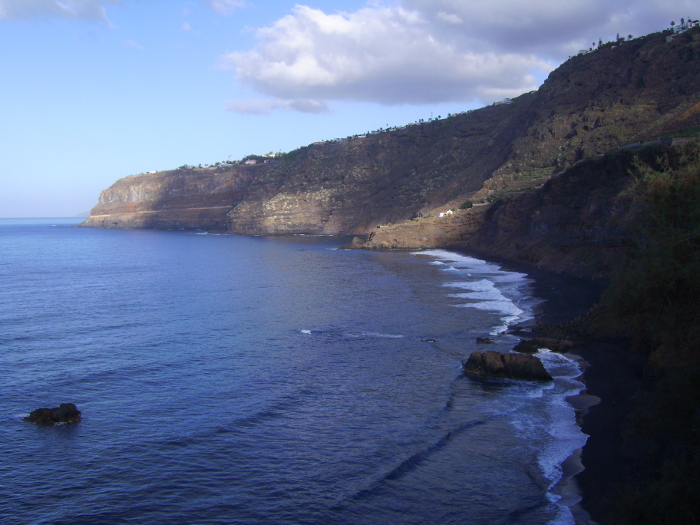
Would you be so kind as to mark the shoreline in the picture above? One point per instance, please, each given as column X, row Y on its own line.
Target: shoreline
column 610, row 380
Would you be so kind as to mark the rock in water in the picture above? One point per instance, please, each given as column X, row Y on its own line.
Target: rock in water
column 527, row 346
column 65, row 413
column 530, row 346
column 512, row 366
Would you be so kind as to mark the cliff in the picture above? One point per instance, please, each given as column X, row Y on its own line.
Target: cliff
column 618, row 94
column 184, row 198
column 329, row 188
column 582, row 221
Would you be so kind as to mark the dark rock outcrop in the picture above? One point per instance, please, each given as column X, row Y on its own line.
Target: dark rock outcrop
column 511, row 366
column 65, row 413
column 530, row 346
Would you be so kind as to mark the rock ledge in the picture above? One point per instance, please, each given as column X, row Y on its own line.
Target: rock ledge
column 511, row 366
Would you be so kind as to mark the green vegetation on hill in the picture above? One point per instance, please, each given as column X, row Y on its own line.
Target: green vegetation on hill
column 657, row 293
column 655, row 299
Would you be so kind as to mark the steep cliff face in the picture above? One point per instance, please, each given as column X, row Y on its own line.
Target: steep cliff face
column 580, row 222
column 352, row 186
column 618, row 94
column 188, row 199
column 329, row 188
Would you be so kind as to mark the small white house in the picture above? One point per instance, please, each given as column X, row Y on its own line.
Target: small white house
column 251, row 161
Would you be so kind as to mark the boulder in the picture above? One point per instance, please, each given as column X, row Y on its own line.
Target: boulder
column 530, row 346
column 484, row 341
column 65, row 413
column 527, row 346
column 511, row 366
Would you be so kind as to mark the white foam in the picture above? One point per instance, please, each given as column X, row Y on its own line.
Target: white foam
column 480, row 285
column 382, row 336
column 542, row 409
column 490, row 287
column 306, row 331
column 565, row 433
column 472, row 295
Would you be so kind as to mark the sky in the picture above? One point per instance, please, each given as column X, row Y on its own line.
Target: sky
column 95, row 90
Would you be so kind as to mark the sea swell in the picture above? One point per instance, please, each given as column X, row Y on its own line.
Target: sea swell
column 540, row 413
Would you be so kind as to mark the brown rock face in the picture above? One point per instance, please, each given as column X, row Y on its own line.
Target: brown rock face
column 348, row 186
column 511, row 366
column 618, row 94
column 178, row 199
column 581, row 222
column 424, row 232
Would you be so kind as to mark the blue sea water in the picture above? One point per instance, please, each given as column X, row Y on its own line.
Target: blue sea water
column 232, row 379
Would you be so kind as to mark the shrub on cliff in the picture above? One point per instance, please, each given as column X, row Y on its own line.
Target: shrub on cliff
column 655, row 299
column 466, row 205
column 655, row 296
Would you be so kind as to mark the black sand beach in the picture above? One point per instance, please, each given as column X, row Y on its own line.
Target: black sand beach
column 612, row 379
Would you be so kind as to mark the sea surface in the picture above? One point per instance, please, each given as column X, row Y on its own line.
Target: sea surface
column 232, row 379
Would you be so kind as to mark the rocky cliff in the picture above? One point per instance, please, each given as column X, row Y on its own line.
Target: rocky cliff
column 581, row 221
column 330, row 188
column 618, row 94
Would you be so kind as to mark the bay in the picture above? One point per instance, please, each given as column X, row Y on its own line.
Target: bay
column 233, row 379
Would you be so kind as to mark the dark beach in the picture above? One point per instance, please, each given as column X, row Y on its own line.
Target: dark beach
column 611, row 377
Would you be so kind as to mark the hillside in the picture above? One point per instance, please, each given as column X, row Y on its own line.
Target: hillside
column 617, row 94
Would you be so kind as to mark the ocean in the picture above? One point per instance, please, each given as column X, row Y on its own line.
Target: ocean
column 231, row 379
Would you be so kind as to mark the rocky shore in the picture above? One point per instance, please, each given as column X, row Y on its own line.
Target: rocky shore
column 611, row 378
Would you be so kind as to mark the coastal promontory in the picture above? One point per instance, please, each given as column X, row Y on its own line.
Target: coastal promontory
column 622, row 93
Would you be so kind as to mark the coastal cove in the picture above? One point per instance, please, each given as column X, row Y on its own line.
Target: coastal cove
column 260, row 379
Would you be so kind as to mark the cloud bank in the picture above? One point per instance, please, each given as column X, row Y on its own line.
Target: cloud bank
column 428, row 51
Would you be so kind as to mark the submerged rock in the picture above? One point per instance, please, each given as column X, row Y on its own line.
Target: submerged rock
column 512, row 366
column 65, row 413
column 484, row 341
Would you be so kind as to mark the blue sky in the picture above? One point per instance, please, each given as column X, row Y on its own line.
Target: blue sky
column 94, row 90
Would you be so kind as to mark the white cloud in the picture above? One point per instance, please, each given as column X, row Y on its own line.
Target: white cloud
column 431, row 51
column 388, row 55
column 265, row 107
column 225, row 7
column 24, row 9
column 550, row 27
column 450, row 18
